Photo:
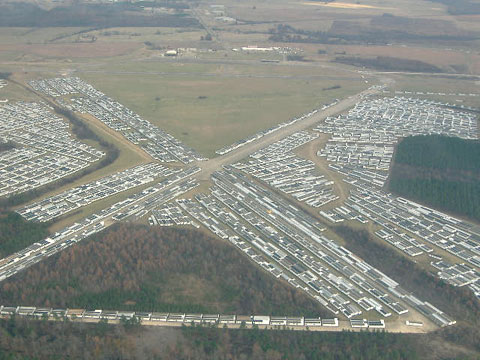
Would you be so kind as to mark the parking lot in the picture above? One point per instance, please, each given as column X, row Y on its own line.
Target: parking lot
column 241, row 208
column 132, row 208
column 45, row 152
column 280, row 168
column 289, row 243
column 86, row 99
column 362, row 152
column 69, row 200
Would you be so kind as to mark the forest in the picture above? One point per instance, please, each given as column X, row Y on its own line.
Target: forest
column 16, row 233
column 388, row 63
column 135, row 267
column 39, row 339
column 275, row 345
column 439, row 152
column 98, row 15
column 457, row 197
column 439, row 171
column 25, row 339
column 261, row 344
column 353, row 32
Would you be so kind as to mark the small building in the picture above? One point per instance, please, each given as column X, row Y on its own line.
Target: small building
column 261, row 320
column 109, row 315
column 58, row 313
column 210, row 319
column 359, row 323
column 313, row 322
column 171, row 53
column 278, row 320
column 159, row 316
column 330, row 322
column 143, row 315
column 41, row 312
column 227, row 319
column 126, row 314
column 196, row 318
column 295, row 321
column 176, row 317
column 75, row 313
column 92, row 314
column 376, row 324
column 8, row 310
column 413, row 323
column 244, row 319
column 25, row 310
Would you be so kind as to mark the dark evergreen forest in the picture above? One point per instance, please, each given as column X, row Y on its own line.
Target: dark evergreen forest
column 16, row 233
column 439, row 171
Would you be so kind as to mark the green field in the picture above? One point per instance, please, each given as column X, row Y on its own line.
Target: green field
column 437, row 84
column 208, row 111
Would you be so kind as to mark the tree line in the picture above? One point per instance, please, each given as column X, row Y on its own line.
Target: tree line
column 120, row 14
column 439, row 152
column 209, row 343
column 458, row 197
column 26, row 339
column 345, row 32
column 389, row 63
column 21, row 338
column 460, row 7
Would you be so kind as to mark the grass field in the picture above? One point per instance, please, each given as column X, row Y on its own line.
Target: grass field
column 209, row 112
column 13, row 92
column 440, row 85
column 22, row 35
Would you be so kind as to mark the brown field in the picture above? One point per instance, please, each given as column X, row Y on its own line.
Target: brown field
column 13, row 92
column 74, row 50
column 340, row 5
